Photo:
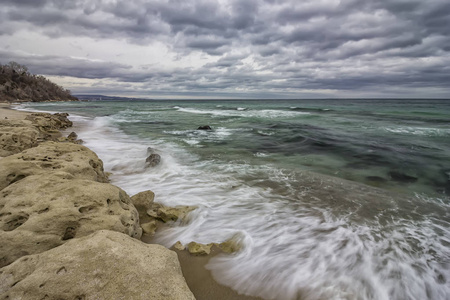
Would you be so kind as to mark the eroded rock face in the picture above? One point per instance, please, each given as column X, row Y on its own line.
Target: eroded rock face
column 74, row 159
column 169, row 214
column 199, row 249
column 16, row 136
column 43, row 211
column 125, row 268
column 149, row 227
column 231, row 245
column 151, row 212
column 49, row 122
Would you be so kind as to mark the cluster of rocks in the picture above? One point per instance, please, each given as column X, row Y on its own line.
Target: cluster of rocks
column 152, row 215
column 69, row 234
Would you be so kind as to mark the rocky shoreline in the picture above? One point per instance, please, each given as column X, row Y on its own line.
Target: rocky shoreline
column 66, row 232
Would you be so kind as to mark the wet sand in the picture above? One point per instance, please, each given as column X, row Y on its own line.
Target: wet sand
column 201, row 281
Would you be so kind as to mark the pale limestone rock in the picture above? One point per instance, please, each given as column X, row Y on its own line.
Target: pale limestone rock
column 74, row 159
column 104, row 265
column 16, row 136
column 230, row 246
column 149, row 227
column 143, row 201
column 179, row 246
column 153, row 210
column 50, row 122
column 199, row 249
column 43, row 211
column 167, row 214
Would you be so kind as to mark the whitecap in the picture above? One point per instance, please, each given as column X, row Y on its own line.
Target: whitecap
column 421, row 131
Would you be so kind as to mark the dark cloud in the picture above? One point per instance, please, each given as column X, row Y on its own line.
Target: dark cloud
column 205, row 43
column 66, row 66
column 272, row 45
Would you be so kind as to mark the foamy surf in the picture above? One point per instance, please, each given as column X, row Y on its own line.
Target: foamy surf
column 307, row 237
column 304, row 235
column 244, row 112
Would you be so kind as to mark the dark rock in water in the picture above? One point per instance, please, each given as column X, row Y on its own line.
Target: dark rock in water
column 151, row 150
column 401, row 177
column 377, row 179
column 153, row 160
column 72, row 136
column 206, row 127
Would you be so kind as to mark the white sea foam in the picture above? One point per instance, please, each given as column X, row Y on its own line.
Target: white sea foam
column 197, row 136
column 265, row 132
column 294, row 244
column 265, row 113
column 421, row 131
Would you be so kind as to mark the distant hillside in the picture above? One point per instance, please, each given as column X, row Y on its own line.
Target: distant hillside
column 19, row 85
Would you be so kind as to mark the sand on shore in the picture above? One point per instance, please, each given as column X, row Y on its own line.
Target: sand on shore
column 6, row 112
column 201, row 281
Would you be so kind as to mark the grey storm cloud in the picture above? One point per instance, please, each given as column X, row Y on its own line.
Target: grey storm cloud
column 285, row 44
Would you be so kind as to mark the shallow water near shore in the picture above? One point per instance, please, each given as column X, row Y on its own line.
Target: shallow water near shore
column 331, row 199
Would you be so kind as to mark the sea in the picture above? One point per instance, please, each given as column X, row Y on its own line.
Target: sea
column 328, row 199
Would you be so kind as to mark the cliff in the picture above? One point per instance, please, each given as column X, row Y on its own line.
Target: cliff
column 17, row 84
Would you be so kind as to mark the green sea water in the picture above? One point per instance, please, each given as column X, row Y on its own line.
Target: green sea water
column 331, row 199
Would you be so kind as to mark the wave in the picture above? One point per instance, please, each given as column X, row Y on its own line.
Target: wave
column 265, row 113
column 308, row 109
column 304, row 235
column 421, row 131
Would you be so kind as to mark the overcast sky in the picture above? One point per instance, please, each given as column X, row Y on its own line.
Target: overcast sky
column 233, row 48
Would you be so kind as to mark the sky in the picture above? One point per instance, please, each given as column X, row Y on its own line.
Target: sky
column 233, row 48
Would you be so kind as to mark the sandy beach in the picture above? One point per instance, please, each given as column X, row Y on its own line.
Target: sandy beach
column 6, row 112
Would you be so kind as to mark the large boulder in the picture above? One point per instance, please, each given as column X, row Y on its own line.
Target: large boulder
column 43, row 211
column 104, row 265
column 74, row 159
column 143, row 201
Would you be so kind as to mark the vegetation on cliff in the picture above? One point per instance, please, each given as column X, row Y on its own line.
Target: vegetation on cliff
column 18, row 84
